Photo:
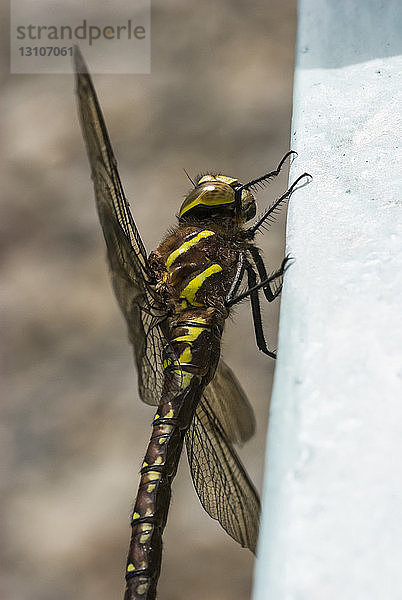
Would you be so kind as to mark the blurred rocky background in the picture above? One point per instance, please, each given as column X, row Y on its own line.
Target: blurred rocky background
column 73, row 431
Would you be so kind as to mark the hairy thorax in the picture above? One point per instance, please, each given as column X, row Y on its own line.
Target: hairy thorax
column 195, row 266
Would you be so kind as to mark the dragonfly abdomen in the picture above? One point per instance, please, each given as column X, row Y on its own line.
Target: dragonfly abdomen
column 192, row 356
column 152, row 504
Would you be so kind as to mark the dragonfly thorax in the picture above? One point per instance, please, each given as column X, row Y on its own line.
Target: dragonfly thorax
column 217, row 196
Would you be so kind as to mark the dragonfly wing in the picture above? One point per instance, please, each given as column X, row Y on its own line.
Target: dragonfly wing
column 230, row 404
column 144, row 316
column 131, row 277
column 220, row 480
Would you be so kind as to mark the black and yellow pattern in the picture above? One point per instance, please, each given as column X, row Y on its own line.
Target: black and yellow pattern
column 175, row 302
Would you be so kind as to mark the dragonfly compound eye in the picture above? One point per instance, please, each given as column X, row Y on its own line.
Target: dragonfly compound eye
column 208, row 197
column 248, row 205
column 215, row 195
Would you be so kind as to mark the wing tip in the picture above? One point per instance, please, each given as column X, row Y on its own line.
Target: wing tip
column 79, row 62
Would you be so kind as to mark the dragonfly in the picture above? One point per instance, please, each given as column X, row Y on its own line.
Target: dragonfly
column 175, row 302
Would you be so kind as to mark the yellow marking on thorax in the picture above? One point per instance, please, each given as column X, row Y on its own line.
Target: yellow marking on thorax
column 194, row 284
column 130, row 568
column 191, row 336
column 170, row 414
column 135, row 516
column 199, row 320
column 185, row 357
column 186, row 246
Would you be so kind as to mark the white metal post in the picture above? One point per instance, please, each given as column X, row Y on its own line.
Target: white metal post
column 332, row 504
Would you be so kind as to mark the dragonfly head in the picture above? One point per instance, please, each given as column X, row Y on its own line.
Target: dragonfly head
column 217, row 196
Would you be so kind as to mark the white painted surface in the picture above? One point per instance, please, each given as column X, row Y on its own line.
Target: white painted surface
column 332, row 506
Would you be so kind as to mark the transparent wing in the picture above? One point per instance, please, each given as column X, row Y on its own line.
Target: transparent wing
column 140, row 304
column 110, row 197
column 220, row 480
column 230, row 404
column 146, row 320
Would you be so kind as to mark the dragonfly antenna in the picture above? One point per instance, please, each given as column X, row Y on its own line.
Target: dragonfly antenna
column 189, row 177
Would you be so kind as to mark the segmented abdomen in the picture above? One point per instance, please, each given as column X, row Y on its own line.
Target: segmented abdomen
column 195, row 342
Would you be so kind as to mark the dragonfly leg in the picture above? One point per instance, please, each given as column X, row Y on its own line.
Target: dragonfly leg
column 270, row 292
column 264, row 178
column 269, row 214
column 238, row 278
column 256, row 312
column 255, row 287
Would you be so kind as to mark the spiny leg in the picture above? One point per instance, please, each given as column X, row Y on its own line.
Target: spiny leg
column 264, row 178
column 260, row 181
column 268, row 213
